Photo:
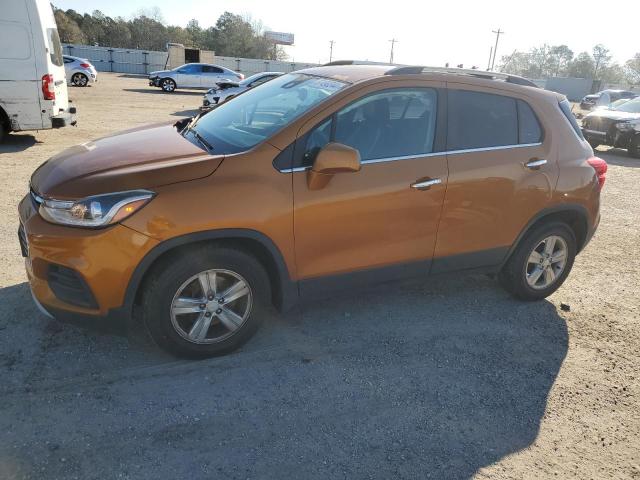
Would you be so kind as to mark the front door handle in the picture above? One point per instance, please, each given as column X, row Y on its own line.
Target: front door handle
column 535, row 164
column 426, row 184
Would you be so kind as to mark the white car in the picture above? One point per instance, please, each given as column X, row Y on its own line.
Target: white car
column 33, row 89
column 192, row 75
column 80, row 72
column 224, row 91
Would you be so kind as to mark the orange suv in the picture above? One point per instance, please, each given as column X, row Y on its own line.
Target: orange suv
column 324, row 179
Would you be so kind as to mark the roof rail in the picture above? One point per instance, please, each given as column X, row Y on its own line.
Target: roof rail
column 506, row 77
column 354, row 62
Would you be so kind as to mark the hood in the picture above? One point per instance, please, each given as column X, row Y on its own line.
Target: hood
column 227, row 84
column 613, row 115
column 159, row 72
column 144, row 157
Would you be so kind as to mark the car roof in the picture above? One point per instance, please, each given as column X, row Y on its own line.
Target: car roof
column 354, row 73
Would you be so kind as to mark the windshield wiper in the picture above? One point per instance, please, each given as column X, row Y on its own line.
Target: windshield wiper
column 207, row 146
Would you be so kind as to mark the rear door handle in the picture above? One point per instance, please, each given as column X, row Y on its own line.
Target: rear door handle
column 426, row 184
column 535, row 164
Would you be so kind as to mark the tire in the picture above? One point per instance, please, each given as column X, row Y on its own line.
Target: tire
column 518, row 272
column 594, row 144
column 79, row 79
column 171, row 279
column 168, row 85
column 634, row 147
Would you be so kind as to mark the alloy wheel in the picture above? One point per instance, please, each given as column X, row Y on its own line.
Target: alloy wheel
column 211, row 306
column 168, row 85
column 546, row 262
column 80, row 80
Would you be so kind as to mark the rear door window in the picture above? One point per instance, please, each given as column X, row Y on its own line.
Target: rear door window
column 211, row 69
column 55, row 47
column 480, row 120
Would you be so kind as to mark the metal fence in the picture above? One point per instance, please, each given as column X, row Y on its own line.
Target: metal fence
column 143, row 62
column 119, row 60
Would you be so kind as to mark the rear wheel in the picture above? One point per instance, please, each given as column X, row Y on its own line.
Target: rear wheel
column 206, row 302
column 634, row 146
column 541, row 262
column 79, row 79
column 168, row 85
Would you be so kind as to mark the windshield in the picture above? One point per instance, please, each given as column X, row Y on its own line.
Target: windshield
column 631, row 106
column 258, row 113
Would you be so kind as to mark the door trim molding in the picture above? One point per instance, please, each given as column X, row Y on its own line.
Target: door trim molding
column 424, row 155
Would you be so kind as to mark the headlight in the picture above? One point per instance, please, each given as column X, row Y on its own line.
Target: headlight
column 628, row 125
column 96, row 211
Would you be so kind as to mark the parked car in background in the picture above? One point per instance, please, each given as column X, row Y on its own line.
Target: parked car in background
column 226, row 90
column 192, row 75
column 79, row 71
column 33, row 89
column 604, row 98
column 616, row 126
column 612, row 105
column 316, row 182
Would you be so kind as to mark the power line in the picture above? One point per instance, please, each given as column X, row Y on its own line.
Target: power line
column 495, row 49
column 393, row 42
column 331, row 42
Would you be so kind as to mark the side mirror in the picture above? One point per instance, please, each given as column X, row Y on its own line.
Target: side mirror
column 333, row 158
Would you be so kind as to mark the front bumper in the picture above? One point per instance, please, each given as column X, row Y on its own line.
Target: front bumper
column 154, row 81
column 64, row 119
column 102, row 260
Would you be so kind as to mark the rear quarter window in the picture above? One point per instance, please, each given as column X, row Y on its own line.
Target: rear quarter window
column 529, row 130
column 565, row 107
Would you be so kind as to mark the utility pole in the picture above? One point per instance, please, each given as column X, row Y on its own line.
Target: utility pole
column 495, row 49
column 331, row 42
column 393, row 42
column 490, row 55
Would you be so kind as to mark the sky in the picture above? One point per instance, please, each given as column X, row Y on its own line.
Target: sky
column 427, row 32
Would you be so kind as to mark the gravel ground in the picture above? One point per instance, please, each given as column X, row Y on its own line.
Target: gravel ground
column 450, row 379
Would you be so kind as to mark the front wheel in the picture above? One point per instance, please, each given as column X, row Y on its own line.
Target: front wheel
column 541, row 262
column 206, row 302
column 168, row 85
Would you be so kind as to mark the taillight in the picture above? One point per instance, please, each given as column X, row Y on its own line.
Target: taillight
column 241, row 76
column 48, row 88
column 600, row 166
column 85, row 65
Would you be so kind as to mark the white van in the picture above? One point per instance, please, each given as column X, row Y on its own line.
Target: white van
column 33, row 87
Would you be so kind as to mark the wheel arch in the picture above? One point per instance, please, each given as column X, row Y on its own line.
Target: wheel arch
column 574, row 215
column 284, row 291
column 4, row 118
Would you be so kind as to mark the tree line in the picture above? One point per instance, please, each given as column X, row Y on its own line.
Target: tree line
column 559, row 61
column 232, row 35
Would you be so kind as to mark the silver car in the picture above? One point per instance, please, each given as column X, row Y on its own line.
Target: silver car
column 192, row 75
column 79, row 71
column 224, row 91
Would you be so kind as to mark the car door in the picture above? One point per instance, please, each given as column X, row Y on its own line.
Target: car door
column 211, row 75
column 189, row 76
column 380, row 222
column 502, row 172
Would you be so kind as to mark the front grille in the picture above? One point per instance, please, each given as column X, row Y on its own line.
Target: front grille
column 24, row 244
column 68, row 286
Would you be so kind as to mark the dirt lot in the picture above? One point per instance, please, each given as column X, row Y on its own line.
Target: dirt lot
column 451, row 379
